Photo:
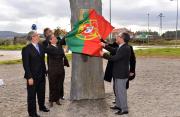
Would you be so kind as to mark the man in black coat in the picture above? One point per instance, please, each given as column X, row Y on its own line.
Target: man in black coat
column 35, row 71
column 120, row 70
column 108, row 71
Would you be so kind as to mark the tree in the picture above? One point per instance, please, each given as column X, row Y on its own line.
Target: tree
column 87, row 72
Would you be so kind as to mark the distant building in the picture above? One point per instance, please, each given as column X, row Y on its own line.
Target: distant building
column 116, row 31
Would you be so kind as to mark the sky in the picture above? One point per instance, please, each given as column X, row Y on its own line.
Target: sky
column 19, row 15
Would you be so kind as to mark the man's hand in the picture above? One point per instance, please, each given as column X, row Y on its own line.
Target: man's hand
column 101, row 53
column 102, row 44
column 30, row 81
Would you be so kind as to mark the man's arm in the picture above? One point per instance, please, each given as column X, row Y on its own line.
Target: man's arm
column 109, row 48
column 120, row 54
column 51, row 51
column 132, row 61
column 61, row 41
column 132, row 64
column 26, row 62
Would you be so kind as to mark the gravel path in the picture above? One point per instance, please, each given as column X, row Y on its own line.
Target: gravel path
column 10, row 55
column 154, row 93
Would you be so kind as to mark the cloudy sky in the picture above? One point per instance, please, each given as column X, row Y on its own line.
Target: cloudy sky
column 19, row 15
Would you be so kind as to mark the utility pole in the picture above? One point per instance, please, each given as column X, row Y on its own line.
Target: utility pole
column 148, row 27
column 177, row 12
column 160, row 27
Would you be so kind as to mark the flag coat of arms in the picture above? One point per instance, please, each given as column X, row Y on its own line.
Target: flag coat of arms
column 86, row 34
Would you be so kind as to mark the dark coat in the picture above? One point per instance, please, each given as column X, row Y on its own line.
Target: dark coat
column 34, row 66
column 132, row 63
column 120, row 61
column 33, row 62
column 61, row 42
column 56, row 72
column 108, row 71
column 56, row 56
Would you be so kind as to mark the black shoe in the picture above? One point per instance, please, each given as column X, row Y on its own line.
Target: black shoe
column 34, row 115
column 44, row 109
column 121, row 112
column 37, row 115
column 115, row 108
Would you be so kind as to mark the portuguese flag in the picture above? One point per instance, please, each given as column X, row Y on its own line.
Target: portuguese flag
column 86, row 34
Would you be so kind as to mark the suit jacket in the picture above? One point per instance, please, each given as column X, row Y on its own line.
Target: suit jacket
column 33, row 62
column 132, row 63
column 60, row 42
column 56, row 56
column 108, row 71
column 120, row 61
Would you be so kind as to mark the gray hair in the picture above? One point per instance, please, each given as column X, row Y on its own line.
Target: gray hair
column 30, row 35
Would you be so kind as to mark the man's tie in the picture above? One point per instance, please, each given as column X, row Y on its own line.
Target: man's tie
column 37, row 48
column 117, row 49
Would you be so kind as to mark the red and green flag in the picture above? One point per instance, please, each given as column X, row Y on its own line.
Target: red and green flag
column 86, row 34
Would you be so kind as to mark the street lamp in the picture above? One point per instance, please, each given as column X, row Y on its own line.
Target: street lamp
column 148, row 27
column 176, row 22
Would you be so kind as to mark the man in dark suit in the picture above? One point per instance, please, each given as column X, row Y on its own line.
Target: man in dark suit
column 35, row 70
column 120, row 70
column 108, row 71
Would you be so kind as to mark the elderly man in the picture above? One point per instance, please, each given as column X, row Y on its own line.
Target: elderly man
column 35, row 70
column 120, row 70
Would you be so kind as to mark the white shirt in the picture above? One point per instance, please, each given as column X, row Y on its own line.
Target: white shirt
column 34, row 44
column 121, row 45
column 54, row 45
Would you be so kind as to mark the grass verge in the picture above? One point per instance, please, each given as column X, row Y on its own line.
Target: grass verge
column 19, row 61
column 11, row 47
column 155, row 52
column 159, row 52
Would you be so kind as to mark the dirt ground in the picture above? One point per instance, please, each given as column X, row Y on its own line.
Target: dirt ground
column 154, row 93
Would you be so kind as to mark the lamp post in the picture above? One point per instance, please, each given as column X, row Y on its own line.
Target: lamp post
column 160, row 26
column 176, row 21
column 148, row 27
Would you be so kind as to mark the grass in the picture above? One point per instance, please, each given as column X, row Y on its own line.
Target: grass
column 160, row 52
column 11, row 47
column 155, row 52
column 158, row 42
column 19, row 61
column 9, row 62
